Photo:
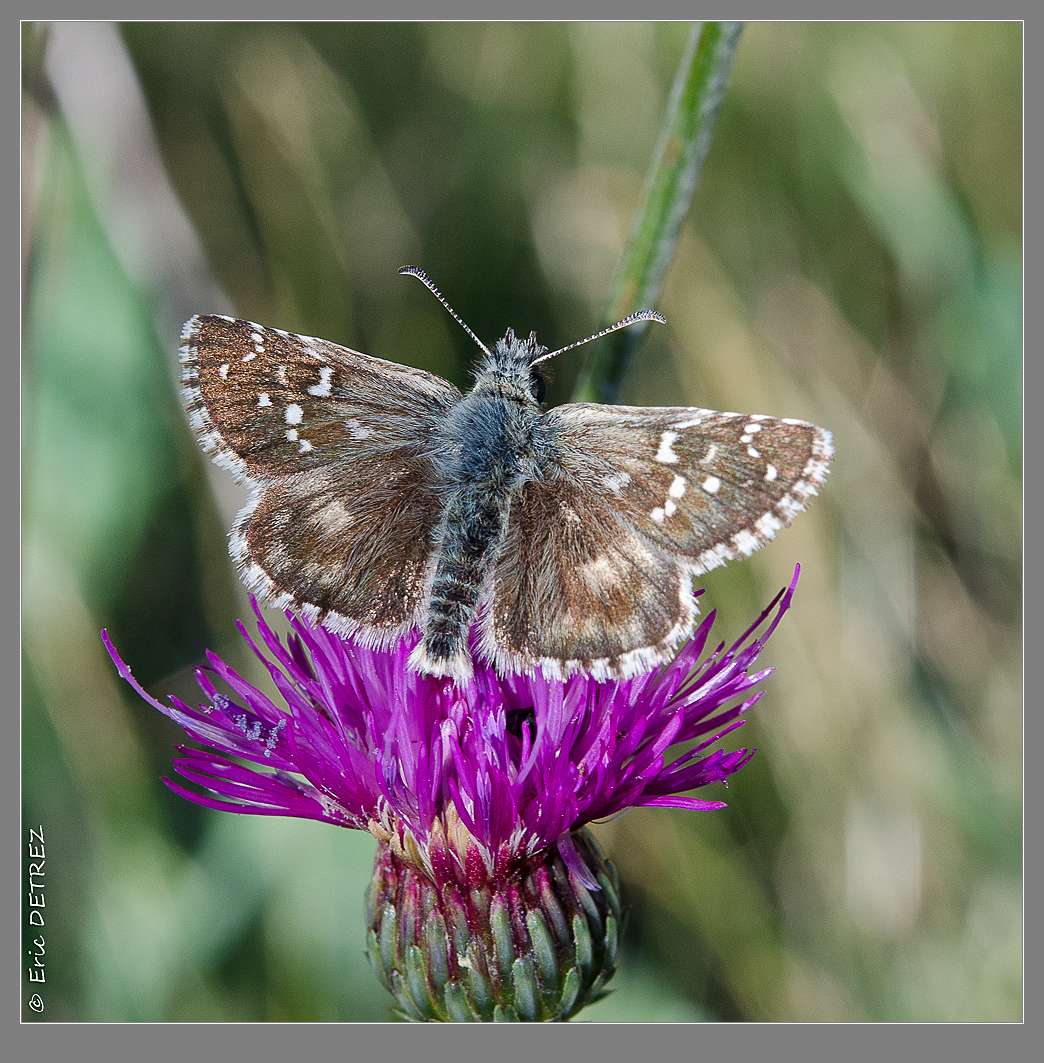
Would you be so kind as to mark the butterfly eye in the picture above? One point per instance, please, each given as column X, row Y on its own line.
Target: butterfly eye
column 537, row 383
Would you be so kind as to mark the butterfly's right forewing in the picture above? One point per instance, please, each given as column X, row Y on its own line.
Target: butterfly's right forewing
column 705, row 486
column 595, row 573
column 337, row 449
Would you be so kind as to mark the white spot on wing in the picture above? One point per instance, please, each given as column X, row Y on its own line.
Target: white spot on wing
column 711, row 485
column 223, row 371
column 709, row 456
column 771, row 473
column 677, row 488
column 666, row 454
column 323, row 388
column 599, row 573
column 291, row 434
column 304, row 446
column 294, row 414
column 658, row 514
column 357, row 430
column 264, row 399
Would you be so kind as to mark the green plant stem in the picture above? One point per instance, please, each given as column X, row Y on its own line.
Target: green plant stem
column 696, row 96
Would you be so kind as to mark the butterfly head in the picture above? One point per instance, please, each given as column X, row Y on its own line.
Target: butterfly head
column 512, row 367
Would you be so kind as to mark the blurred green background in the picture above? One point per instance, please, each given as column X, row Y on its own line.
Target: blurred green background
column 853, row 257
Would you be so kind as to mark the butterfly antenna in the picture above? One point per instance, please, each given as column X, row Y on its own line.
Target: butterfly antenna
column 416, row 271
column 624, row 322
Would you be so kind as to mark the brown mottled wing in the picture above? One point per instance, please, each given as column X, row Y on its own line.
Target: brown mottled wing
column 269, row 403
column 576, row 588
column 596, row 568
column 335, row 445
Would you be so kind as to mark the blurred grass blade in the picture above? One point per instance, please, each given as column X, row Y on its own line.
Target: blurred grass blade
column 692, row 109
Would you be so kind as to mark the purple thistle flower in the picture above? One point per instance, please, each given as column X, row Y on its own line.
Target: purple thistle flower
column 470, row 787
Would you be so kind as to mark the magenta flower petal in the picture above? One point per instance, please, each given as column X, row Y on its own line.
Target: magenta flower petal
column 519, row 762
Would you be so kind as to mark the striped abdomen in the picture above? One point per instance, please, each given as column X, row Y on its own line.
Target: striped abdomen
column 488, row 434
column 472, row 532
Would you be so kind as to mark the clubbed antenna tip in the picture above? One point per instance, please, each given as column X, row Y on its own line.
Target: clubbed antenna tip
column 416, row 271
column 631, row 319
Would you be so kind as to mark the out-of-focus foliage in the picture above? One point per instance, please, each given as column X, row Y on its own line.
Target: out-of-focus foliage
column 853, row 257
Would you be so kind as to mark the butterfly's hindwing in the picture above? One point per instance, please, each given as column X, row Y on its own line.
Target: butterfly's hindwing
column 337, row 448
column 578, row 589
column 348, row 545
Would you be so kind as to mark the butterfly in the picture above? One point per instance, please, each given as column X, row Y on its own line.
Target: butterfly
column 383, row 500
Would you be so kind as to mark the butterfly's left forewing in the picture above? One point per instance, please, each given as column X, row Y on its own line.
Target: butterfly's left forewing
column 336, row 446
column 596, row 569
column 267, row 403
